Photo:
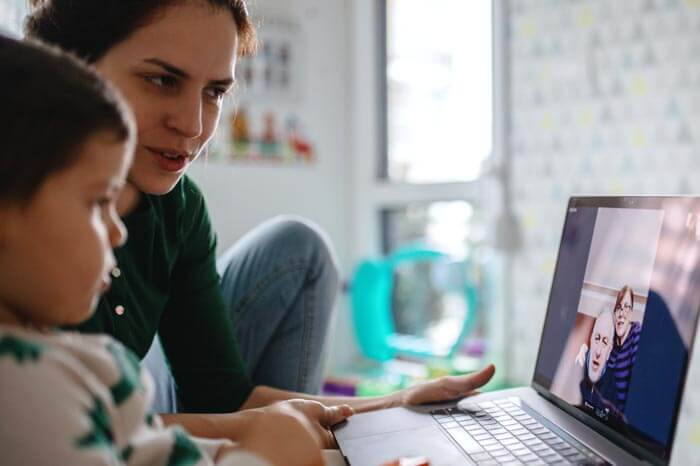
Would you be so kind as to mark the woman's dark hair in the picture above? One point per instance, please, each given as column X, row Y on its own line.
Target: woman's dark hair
column 89, row 28
column 51, row 104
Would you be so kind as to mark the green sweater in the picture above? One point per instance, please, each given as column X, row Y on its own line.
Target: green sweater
column 169, row 284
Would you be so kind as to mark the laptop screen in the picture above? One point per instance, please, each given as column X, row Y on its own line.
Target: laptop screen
column 622, row 315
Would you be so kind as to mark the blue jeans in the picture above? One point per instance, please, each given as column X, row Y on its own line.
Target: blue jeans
column 280, row 282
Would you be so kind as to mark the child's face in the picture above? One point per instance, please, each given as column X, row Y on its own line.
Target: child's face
column 174, row 73
column 56, row 250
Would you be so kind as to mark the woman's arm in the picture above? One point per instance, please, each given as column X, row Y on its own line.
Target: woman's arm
column 323, row 411
column 265, row 396
column 228, row 425
column 441, row 389
column 240, row 426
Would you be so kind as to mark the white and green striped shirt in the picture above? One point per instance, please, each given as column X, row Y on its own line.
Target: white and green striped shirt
column 73, row 399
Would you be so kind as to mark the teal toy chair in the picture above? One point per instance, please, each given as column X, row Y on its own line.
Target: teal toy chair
column 373, row 292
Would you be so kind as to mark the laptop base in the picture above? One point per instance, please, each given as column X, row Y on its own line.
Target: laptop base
column 381, row 436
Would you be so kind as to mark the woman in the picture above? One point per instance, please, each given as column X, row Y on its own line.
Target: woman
column 624, row 352
column 174, row 61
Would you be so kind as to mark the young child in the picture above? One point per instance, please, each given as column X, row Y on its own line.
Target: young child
column 70, row 399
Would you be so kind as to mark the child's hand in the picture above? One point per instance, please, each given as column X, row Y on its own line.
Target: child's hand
column 322, row 417
column 581, row 356
column 283, row 436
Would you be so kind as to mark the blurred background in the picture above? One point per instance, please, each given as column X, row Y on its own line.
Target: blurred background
column 437, row 144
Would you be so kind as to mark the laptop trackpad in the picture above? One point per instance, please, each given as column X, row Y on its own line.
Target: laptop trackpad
column 377, row 437
column 426, row 441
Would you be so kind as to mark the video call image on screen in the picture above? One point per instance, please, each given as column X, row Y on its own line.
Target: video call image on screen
column 626, row 327
column 596, row 366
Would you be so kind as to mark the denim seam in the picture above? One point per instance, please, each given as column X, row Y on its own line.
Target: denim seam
column 308, row 330
column 293, row 265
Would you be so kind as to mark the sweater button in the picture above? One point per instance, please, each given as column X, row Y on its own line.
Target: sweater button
column 119, row 310
column 116, row 272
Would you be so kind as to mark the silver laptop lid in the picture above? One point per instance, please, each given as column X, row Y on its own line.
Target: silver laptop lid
column 622, row 316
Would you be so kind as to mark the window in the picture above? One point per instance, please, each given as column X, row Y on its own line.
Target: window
column 438, row 90
column 447, row 226
column 374, row 230
column 11, row 15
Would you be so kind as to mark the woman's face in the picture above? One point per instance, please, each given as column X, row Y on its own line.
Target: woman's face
column 623, row 315
column 601, row 346
column 56, row 250
column 174, row 72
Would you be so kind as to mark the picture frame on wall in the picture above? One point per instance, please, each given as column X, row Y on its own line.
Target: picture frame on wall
column 263, row 124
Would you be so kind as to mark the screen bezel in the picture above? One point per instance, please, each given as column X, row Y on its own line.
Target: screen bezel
column 652, row 451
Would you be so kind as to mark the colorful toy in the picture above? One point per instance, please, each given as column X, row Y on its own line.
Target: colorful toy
column 371, row 296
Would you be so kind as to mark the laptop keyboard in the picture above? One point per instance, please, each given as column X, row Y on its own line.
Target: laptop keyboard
column 502, row 433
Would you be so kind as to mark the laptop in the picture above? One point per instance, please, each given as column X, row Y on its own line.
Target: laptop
column 612, row 361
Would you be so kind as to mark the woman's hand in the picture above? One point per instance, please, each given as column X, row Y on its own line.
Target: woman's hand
column 283, row 436
column 446, row 388
column 321, row 417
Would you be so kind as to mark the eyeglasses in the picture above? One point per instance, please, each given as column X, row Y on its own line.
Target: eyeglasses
column 626, row 308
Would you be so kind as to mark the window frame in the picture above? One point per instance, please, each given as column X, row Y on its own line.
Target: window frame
column 370, row 191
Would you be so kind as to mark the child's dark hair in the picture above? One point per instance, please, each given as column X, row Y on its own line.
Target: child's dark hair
column 89, row 28
column 51, row 103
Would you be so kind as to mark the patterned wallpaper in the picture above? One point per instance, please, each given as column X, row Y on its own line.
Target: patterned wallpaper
column 605, row 99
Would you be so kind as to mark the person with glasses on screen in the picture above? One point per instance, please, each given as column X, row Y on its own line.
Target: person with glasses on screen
column 626, row 343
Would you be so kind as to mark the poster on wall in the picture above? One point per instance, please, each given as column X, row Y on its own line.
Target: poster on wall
column 264, row 124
